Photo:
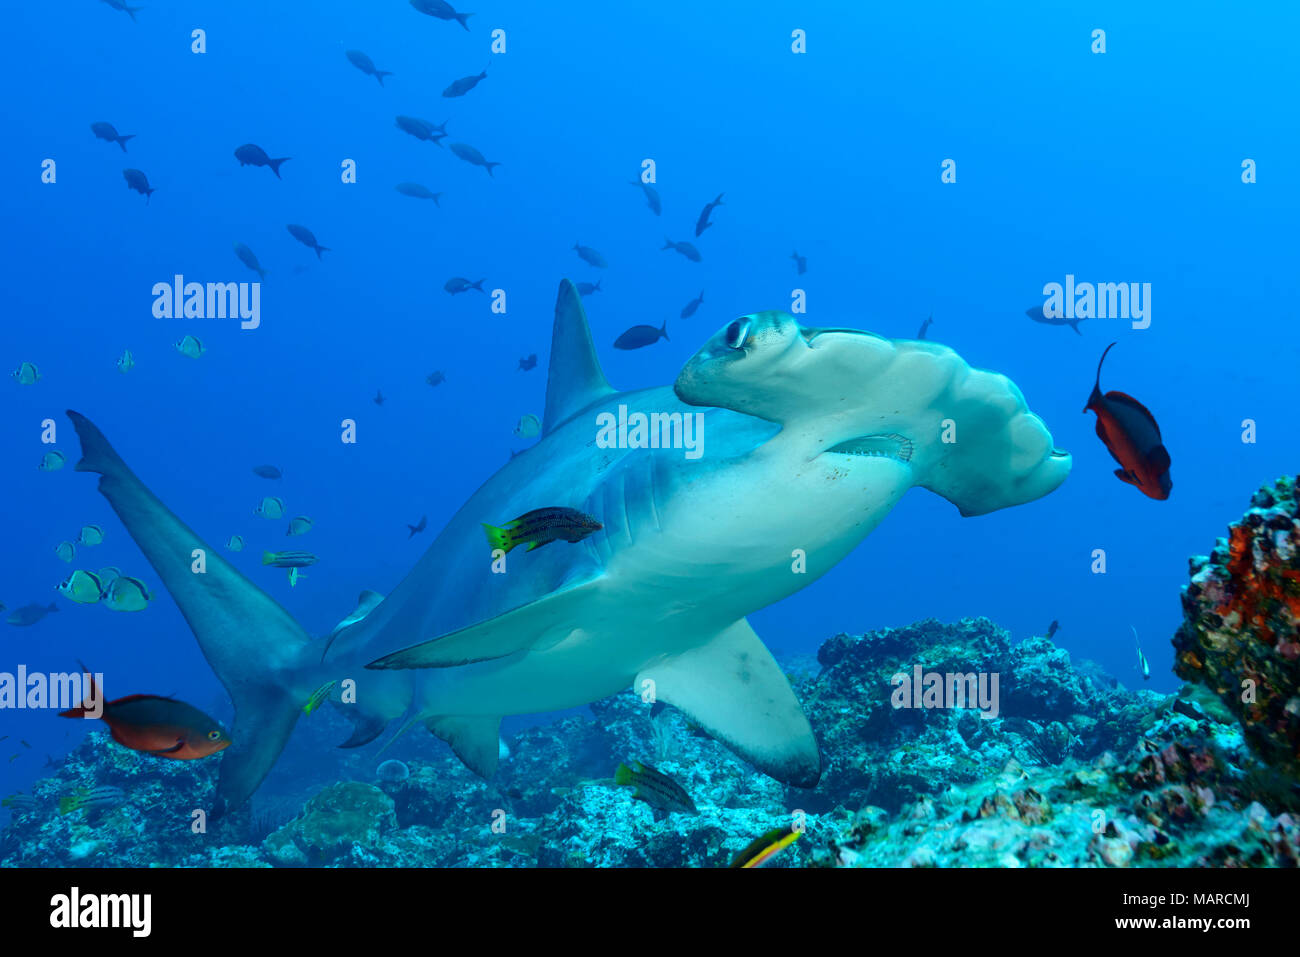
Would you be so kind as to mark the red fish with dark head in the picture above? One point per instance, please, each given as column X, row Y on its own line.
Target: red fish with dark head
column 163, row 727
column 1132, row 436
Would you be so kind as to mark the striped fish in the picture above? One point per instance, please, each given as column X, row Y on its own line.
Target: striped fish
column 541, row 527
column 289, row 559
column 655, row 788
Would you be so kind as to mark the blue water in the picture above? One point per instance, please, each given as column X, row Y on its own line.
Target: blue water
column 1116, row 167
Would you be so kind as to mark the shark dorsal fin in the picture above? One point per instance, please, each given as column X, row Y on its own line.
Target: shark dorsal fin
column 575, row 379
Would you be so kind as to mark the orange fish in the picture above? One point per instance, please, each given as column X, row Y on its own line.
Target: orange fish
column 163, row 727
column 1131, row 435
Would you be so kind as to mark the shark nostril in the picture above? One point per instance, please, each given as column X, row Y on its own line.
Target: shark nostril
column 737, row 334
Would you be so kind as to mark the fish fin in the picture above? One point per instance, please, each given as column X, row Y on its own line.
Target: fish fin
column 252, row 644
column 1158, row 458
column 623, row 775
column 172, row 750
column 575, row 379
column 1123, row 398
column 400, row 731
column 365, row 729
column 121, row 140
column 476, row 739
column 1074, row 324
column 497, row 537
column 733, row 688
column 1124, row 475
column 275, row 164
column 508, row 633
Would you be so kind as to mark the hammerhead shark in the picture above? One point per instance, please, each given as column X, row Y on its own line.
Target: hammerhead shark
column 810, row 436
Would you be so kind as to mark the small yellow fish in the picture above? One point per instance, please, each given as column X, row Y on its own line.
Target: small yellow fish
column 26, row 373
column 299, row 526
column 190, row 346
column 83, row 587
column 270, row 507
column 127, row 594
column 318, row 696
column 52, row 461
column 528, row 427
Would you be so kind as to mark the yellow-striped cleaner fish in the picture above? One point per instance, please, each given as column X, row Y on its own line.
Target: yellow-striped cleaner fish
column 289, row 559
column 764, row 848
column 541, row 527
column 318, row 697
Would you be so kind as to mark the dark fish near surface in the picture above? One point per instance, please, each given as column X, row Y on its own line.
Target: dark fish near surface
column 289, row 559
column 1132, row 437
column 105, row 131
column 800, row 262
column 527, row 363
column 366, row 65
column 422, row 129
column 464, row 85
column 587, row 288
column 655, row 788
column 121, row 7
column 1039, row 314
column 419, row 526
column 442, row 10
column 1052, row 628
column 137, row 181
column 764, row 848
column 589, row 255
column 456, row 285
column 435, row 378
column 541, row 527
column 162, row 726
column 250, row 154
column 686, row 249
column 689, row 309
column 703, row 223
column 651, row 196
column 924, row 326
column 472, row 156
column 267, row 471
column 417, row 191
column 638, row 337
column 304, row 236
column 30, row 614
column 102, row 798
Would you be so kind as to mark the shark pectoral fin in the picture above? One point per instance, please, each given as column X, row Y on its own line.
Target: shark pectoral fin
column 511, row 632
column 476, row 739
column 264, row 719
column 733, row 688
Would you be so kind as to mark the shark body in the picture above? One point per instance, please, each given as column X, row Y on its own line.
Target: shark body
column 810, row 438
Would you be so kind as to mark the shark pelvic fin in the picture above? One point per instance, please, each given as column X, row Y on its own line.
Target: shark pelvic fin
column 575, row 379
column 733, row 688
column 508, row 633
column 476, row 739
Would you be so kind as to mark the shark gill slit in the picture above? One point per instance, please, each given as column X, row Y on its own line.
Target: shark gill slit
column 888, row 445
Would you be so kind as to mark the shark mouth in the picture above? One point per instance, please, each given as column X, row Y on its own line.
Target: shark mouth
column 892, row 445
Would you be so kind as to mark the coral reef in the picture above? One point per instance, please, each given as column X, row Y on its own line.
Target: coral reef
column 1074, row 770
column 1241, row 631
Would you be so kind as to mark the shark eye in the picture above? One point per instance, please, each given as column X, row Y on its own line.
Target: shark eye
column 737, row 334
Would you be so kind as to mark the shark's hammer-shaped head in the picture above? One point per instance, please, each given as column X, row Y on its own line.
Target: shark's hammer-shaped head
column 841, row 394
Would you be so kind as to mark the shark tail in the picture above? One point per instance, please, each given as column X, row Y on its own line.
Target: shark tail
column 261, row 655
column 275, row 164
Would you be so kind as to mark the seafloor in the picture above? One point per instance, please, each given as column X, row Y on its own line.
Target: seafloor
column 1076, row 771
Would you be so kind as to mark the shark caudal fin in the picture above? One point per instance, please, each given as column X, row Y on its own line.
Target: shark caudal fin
column 256, row 649
column 575, row 379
